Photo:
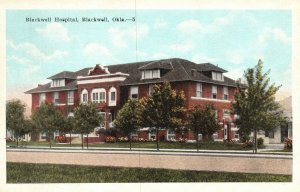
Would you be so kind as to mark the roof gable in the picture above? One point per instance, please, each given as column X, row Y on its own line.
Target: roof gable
column 98, row 70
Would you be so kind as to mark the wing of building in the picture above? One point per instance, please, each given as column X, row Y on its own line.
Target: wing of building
column 111, row 86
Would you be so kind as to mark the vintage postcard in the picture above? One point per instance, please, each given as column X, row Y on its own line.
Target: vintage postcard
column 143, row 96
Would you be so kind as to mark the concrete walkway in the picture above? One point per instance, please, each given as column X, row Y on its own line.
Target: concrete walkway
column 228, row 162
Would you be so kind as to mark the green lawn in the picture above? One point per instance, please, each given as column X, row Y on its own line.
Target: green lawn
column 162, row 145
column 49, row 173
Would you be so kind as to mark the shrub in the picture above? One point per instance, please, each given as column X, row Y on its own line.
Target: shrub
column 288, row 143
column 123, row 139
column 110, row 139
column 260, row 142
column 60, row 139
column 248, row 144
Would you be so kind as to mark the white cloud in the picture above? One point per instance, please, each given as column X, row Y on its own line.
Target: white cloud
column 120, row 37
column 141, row 54
column 201, row 58
column 273, row 34
column 29, row 67
column 181, row 47
column 160, row 24
column 55, row 31
column 33, row 51
column 96, row 49
column 159, row 56
column 236, row 57
column 235, row 73
column 190, row 26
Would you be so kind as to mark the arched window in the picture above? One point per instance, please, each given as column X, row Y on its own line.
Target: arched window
column 112, row 96
column 98, row 95
column 84, row 96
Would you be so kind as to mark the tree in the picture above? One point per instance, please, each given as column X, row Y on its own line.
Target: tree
column 202, row 119
column 255, row 103
column 27, row 127
column 126, row 120
column 164, row 109
column 68, row 126
column 15, row 117
column 86, row 118
column 48, row 119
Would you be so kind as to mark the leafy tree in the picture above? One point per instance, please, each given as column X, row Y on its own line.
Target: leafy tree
column 126, row 120
column 68, row 126
column 48, row 119
column 202, row 120
column 86, row 118
column 27, row 127
column 255, row 103
column 164, row 109
column 15, row 117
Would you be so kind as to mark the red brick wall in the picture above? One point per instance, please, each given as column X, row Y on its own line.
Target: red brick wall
column 35, row 101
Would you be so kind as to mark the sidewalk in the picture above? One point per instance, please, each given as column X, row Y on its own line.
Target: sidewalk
column 147, row 151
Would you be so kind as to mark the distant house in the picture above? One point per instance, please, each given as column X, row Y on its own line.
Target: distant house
column 111, row 86
column 278, row 134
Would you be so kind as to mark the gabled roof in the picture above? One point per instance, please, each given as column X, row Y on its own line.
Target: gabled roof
column 64, row 75
column 210, row 67
column 160, row 64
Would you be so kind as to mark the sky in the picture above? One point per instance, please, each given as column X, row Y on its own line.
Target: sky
column 232, row 39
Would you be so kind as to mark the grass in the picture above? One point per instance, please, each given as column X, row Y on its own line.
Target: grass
column 149, row 145
column 50, row 173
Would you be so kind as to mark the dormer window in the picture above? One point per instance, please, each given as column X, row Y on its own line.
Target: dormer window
column 151, row 74
column 217, row 76
column 58, row 83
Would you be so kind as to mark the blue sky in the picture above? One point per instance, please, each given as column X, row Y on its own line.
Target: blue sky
column 234, row 40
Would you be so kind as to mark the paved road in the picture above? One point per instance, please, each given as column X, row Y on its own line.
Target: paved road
column 247, row 163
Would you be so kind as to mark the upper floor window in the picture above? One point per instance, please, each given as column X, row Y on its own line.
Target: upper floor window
column 151, row 74
column 225, row 91
column 70, row 97
column 98, row 95
column 112, row 96
column 214, row 92
column 199, row 90
column 151, row 90
column 58, row 83
column 134, row 92
column 84, row 96
column 42, row 98
column 55, row 98
column 217, row 76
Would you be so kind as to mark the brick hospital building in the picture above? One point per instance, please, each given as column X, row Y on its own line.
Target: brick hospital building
column 111, row 86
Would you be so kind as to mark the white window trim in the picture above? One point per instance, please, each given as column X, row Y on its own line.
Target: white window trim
column 70, row 97
column 217, row 76
column 150, row 73
column 225, row 92
column 99, row 91
column 84, row 91
column 214, row 91
column 112, row 102
column 42, row 99
column 58, row 83
column 134, row 90
column 199, row 90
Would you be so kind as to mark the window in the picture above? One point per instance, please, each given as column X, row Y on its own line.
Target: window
column 225, row 91
column 151, row 74
column 70, row 97
column 98, row 95
column 134, row 92
column 226, row 113
column 55, row 98
column 217, row 76
column 102, row 97
column 214, row 92
column 84, row 96
column 95, row 98
column 151, row 90
column 42, row 98
column 112, row 96
column 58, row 83
column 199, row 90
column 236, row 135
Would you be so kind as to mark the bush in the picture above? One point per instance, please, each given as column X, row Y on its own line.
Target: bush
column 260, row 142
column 110, row 139
column 248, row 144
column 288, row 143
